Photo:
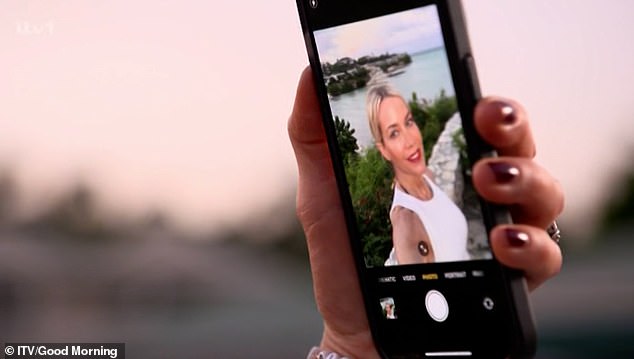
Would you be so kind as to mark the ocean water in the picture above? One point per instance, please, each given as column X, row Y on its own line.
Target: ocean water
column 427, row 75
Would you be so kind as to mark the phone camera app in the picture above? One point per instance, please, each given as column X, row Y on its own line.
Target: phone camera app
column 437, row 306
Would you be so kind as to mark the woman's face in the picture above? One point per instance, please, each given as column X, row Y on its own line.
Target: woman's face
column 402, row 143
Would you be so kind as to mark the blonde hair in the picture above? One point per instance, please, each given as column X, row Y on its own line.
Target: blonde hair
column 375, row 96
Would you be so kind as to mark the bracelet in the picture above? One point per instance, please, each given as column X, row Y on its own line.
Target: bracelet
column 317, row 353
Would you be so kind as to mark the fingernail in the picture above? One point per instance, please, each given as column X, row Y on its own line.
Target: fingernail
column 504, row 172
column 508, row 113
column 516, row 238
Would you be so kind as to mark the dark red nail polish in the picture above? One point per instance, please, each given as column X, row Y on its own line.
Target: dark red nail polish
column 508, row 113
column 516, row 238
column 504, row 172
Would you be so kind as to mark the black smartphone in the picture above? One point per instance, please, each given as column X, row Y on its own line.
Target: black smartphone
column 397, row 86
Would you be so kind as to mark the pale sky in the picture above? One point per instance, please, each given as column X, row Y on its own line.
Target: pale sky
column 409, row 31
column 183, row 104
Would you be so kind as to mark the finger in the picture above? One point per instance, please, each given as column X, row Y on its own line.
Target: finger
column 528, row 249
column 306, row 130
column 532, row 194
column 317, row 192
column 503, row 123
column 320, row 212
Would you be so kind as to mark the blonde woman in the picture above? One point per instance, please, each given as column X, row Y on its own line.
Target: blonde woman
column 426, row 224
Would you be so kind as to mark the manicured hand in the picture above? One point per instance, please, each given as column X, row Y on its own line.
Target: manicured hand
column 534, row 196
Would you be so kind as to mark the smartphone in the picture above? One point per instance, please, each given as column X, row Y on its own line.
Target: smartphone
column 397, row 86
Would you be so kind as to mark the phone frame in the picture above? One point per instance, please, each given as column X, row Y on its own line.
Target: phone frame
column 521, row 340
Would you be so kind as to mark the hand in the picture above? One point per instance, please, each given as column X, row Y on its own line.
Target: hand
column 533, row 195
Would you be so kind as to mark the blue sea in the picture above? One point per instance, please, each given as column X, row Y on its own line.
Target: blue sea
column 427, row 75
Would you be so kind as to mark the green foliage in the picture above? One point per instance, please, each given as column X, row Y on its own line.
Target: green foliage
column 443, row 107
column 406, row 59
column 370, row 181
column 346, row 140
column 461, row 144
column 347, row 74
column 431, row 117
column 348, row 81
column 338, row 88
column 376, row 248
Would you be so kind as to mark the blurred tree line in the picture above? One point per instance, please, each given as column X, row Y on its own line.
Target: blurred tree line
column 619, row 210
column 348, row 74
column 77, row 214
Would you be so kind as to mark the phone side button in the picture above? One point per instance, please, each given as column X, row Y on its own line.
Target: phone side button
column 437, row 306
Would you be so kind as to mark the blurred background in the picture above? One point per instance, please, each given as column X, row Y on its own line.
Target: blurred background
column 147, row 183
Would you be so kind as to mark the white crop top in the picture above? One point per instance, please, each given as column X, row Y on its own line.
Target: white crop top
column 444, row 223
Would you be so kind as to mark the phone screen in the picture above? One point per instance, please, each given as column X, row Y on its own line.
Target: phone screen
column 396, row 105
column 400, row 136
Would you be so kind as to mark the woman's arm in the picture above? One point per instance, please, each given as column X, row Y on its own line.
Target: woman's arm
column 408, row 233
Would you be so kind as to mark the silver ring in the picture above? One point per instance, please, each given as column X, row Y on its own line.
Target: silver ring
column 554, row 232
